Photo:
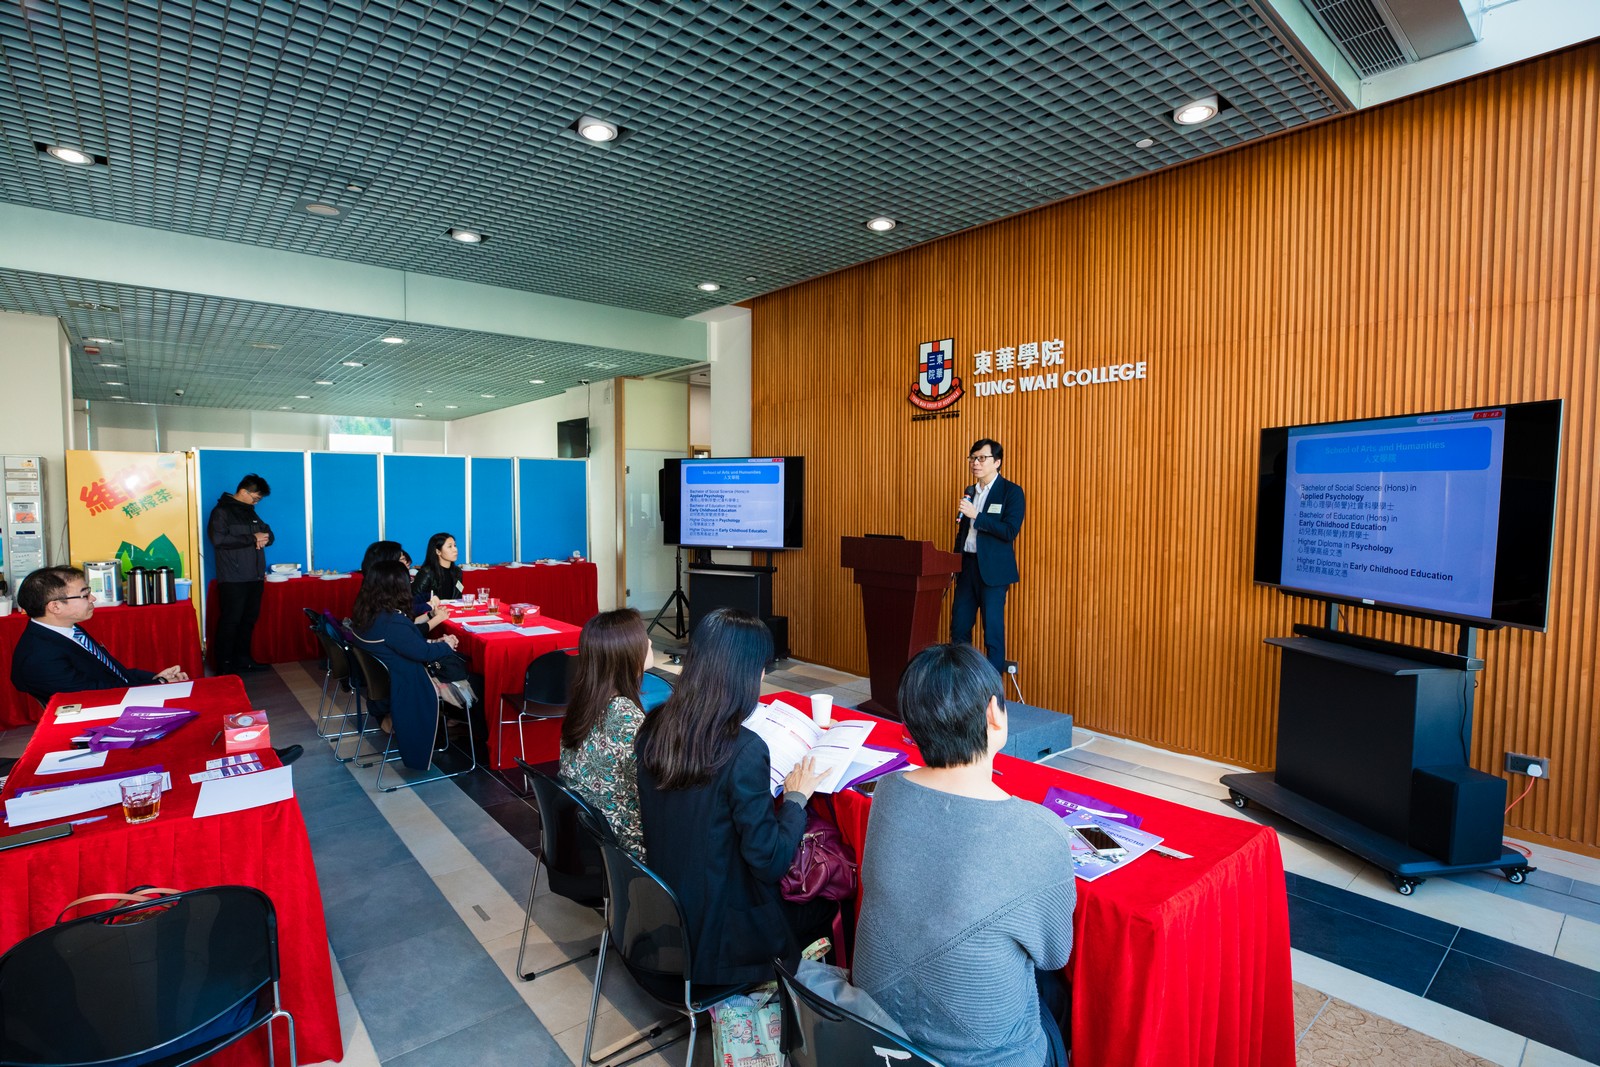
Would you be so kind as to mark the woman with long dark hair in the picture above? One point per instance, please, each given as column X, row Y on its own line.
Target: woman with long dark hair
column 705, row 798
column 440, row 574
column 424, row 612
column 603, row 717
column 382, row 626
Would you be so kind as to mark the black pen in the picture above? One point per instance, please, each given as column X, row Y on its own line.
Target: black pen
column 214, row 740
column 77, row 755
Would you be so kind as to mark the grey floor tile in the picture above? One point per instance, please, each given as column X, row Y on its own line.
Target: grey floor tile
column 1586, row 890
column 414, row 992
column 365, row 843
column 511, row 1038
column 1545, row 898
column 368, row 909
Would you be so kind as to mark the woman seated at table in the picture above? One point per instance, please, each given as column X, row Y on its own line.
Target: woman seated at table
column 967, row 892
column 705, row 799
column 440, row 575
column 603, row 717
column 384, row 628
column 427, row 611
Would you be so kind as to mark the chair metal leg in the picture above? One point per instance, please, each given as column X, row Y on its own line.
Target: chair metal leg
column 642, row 1038
column 439, row 722
column 527, row 924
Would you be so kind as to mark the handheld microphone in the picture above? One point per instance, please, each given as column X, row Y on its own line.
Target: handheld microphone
column 971, row 493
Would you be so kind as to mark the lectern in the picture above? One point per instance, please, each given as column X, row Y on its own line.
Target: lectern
column 902, row 584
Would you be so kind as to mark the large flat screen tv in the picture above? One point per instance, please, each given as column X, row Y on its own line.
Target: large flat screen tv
column 1448, row 514
column 756, row 503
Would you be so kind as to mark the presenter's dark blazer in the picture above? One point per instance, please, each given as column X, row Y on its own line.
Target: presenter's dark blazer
column 997, row 557
column 723, row 850
column 46, row 663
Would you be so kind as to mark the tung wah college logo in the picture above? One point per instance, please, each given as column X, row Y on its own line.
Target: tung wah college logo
column 937, row 388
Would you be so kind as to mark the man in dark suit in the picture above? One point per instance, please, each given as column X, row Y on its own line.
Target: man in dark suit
column 54, row 654
column 991, row 517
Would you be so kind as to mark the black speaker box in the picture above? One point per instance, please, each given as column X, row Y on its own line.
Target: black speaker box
column 1458, row 814
column 779, row 625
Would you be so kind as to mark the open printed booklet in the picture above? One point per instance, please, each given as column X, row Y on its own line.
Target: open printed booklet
column 791, row 736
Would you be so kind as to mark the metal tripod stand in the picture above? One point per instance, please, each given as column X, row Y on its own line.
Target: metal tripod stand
column 678, row 600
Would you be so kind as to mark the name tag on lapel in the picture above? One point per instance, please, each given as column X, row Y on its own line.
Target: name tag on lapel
column 994, row 509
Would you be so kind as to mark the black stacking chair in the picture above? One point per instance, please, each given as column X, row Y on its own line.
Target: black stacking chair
column 646, row 927
column 546, row 687
column 819, row 1033
column 375, row 681
column 169, row 981
column 569, row 856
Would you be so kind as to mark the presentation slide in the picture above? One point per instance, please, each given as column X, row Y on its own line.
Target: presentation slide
column 736, row 504
column 1400, row 511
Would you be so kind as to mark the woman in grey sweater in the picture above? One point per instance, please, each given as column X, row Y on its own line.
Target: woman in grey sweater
column 967, row 893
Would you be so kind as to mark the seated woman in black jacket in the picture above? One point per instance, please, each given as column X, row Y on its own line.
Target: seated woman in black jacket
column 705, row 800
column 383, row 628
column 440, row 575
column 423, row 612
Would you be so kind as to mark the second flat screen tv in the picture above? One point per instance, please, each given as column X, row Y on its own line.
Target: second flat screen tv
column 756, row 503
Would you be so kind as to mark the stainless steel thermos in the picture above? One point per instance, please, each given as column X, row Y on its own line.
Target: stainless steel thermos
column 138, row 586
column 165, row 585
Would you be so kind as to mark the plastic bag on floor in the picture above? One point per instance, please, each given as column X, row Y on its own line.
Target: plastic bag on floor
column 747, row 1031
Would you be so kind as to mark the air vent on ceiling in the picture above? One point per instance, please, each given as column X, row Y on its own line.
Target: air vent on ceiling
column 1362, row 33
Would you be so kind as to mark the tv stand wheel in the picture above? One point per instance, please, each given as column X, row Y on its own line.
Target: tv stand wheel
column 1518, row 875
column 1240, row 801
column 1405, row 886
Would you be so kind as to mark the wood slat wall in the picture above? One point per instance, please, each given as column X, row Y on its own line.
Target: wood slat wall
column 1439, row 252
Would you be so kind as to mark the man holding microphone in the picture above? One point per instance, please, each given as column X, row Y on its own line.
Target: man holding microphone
column 991, row 513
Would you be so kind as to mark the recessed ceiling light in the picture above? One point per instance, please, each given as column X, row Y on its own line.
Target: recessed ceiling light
column 326, row 211
column 708, row 287
column 352, row 187
column 285, row 407
column 118, row 397
column 302, row 396
column 1196, row 111
column 265, row 346
column 597, row 365
column 322, row 381
column 98, row 341
column 108, row 366
column 1144, row 142
column 465, row 236
column 423, row 415
column 452, row 407
column 881, row 224
column 597, row 130
column 353, row 363
column 392, row 340
column 487, row 396
column 75, row 156
column 90, row 305
column 535, row 381
column 116, row 383
column 416, row 405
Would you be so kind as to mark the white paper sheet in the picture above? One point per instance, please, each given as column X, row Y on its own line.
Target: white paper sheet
column 244, row 791
column 464, row 619
column 535, row 631
column 104, row 713
column 56, row 803
column 153, row 696
column 72, row 759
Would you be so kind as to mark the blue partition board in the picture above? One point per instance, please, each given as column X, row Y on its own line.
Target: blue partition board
column 344, row 508
column 494, row 519
column 553, row 497
column 284, row 510
column 423, row 495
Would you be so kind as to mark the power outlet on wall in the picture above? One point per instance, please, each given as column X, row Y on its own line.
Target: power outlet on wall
column 1532, row 766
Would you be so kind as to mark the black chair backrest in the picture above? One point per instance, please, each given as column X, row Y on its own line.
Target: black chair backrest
column 315, row 618
column 374, row 674
column 548, row 679
column 333, row 651
column 121, row 982
column 648, row 929
column 819, row 1033
column 571, row 856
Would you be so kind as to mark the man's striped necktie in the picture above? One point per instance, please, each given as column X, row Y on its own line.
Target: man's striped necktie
column 97, row 652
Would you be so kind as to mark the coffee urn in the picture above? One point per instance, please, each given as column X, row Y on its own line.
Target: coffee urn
column 166, row 588
column 105, row 581
column 138, row 586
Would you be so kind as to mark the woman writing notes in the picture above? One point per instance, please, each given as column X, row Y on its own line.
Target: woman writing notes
column 705, row 798
column 603, row 717
column 440, row 575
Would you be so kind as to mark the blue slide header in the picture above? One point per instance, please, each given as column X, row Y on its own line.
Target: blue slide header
column 1464, row 449
column 742, row 474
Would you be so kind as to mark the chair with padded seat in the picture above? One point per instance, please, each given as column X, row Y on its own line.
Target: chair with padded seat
column 546, row 687
column 569, row 855
column 338, row 678
column 654, row 689
column 166, row 981
column 820, row 1033
column 646, row 927
column 375, row 681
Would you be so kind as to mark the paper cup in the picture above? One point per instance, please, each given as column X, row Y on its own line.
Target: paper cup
column 5, row 605
column 822, row 709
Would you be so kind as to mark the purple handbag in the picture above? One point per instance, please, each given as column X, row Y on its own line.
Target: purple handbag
column 824, row 867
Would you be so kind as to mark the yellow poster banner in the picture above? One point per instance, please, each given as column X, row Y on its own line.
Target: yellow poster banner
column 132, row 507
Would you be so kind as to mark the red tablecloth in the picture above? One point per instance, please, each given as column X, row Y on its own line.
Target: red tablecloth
column 264, row 847
column 502, row 659
column 565, row 590
column 1174, row 962
column 151, row 637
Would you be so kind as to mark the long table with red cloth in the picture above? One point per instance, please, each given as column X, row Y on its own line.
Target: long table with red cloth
column 565, row 590
column 1175, row 963
column 151, row 637
column 264, row 847
column 503, row 658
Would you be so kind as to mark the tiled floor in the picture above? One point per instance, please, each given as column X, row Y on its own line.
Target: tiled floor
column 424, row 892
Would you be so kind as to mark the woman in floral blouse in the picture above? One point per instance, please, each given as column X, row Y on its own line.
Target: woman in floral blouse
column 602, row 717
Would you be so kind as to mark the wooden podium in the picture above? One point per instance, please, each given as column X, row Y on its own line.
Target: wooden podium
column 902, row 584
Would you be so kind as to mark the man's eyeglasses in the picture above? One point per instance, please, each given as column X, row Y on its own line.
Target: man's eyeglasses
column 979, row 459
column 75, row 596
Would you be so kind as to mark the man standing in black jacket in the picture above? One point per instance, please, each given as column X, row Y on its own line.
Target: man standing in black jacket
column 238, row 540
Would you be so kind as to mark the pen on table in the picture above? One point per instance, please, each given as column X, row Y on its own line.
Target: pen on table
column 82, row 822
column 214, row 740
column 78, row 755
